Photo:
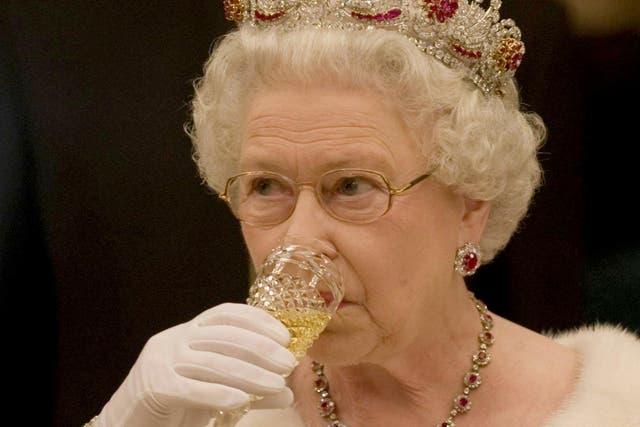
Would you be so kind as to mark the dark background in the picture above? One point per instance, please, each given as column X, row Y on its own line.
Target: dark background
column 107, row 235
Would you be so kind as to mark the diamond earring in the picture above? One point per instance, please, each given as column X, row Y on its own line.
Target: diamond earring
column 468, row 259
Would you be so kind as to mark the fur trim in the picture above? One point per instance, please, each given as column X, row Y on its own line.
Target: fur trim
column 607, row 391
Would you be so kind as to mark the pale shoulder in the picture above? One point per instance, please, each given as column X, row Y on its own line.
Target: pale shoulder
column 607, row 384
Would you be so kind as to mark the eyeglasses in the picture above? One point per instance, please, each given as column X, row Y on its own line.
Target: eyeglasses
column 358, row 196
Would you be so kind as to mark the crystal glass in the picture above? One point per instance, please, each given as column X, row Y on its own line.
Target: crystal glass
column 302, row 288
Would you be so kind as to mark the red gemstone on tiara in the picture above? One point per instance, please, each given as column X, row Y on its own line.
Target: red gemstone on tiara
column 233, row 10
column 441, row 10
column 265, row 17
column 378, row 17
column 468, row 53
column 508, row 54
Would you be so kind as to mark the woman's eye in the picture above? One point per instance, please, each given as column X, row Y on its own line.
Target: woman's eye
column 268, row 186
column 354, row 185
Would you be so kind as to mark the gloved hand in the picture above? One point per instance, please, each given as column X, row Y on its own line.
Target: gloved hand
column 185, row 374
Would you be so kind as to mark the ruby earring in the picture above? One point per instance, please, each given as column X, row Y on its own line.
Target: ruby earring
column 467, row 259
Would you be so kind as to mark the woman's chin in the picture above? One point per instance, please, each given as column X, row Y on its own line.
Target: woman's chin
column 337, row 349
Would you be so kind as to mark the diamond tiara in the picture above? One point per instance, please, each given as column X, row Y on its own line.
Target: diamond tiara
column 461, row 34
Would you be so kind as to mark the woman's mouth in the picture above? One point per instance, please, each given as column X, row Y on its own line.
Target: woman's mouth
column 329, row 298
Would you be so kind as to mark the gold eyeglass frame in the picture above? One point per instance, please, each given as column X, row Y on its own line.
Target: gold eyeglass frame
column 392, row 191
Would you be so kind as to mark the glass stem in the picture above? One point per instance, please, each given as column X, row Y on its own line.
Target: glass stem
column 232, row 417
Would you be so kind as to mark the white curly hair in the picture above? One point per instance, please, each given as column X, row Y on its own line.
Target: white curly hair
column 485, row 146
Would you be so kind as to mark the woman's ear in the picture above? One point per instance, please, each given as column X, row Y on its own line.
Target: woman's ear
column 474, row 219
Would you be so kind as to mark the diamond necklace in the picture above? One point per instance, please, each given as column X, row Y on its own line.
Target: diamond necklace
column 461, row 403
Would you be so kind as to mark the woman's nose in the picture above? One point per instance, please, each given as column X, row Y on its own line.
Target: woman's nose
column 309, row 225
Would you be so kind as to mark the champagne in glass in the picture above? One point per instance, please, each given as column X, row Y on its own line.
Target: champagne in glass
column 300, row 287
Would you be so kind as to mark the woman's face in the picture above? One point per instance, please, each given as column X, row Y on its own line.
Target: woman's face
column 397, row 269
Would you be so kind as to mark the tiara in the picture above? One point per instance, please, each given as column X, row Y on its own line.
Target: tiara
column 461, row 34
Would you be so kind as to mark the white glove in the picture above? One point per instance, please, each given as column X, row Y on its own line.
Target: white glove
column 184, row 375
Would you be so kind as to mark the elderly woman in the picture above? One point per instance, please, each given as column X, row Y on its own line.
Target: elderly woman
column 390, row 135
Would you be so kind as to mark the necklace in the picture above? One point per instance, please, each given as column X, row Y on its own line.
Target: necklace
column 461, row 403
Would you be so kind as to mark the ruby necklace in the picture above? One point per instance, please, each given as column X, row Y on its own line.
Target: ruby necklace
column 461, row 403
